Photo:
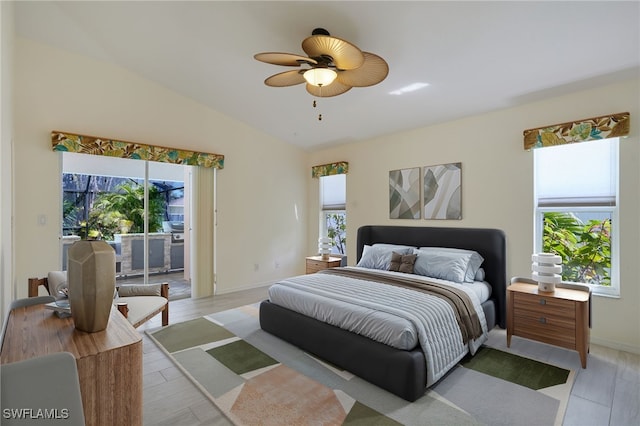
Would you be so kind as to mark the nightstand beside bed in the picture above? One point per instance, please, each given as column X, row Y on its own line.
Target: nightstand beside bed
column 559, row 318
column 317, row 263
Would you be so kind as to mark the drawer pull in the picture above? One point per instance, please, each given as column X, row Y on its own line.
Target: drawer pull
column 543, row 302
column 542, row 320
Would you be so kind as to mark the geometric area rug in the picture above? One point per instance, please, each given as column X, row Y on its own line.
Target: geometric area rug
column 256, row 378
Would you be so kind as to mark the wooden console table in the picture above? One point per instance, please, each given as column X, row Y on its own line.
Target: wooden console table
column 109, row 362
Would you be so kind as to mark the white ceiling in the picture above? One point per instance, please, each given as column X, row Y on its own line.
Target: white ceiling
column 476, row 56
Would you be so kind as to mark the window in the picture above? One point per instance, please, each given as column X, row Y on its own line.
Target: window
column 333, row 215
column 576, row 202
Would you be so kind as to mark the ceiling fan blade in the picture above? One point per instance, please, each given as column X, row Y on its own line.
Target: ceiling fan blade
column 345, row 55
column 286, row 59
column 334, row 89
column 284, row 79
column 373, row 71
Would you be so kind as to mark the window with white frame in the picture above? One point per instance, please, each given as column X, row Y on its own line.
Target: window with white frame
column 333, row 214
column 576, row 217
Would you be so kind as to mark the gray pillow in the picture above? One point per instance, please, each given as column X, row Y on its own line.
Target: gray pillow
column 395, row 247
column 441, row 265
column 473, row 259
column 377, row 256
column 128, row 290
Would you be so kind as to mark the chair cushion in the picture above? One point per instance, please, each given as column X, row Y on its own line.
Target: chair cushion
column 141, row 307
column 57, row 280
column 128, row 290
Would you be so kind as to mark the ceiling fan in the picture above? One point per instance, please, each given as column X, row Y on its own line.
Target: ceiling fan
column 332, row 67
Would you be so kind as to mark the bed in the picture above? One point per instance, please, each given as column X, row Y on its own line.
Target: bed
column 404, row 372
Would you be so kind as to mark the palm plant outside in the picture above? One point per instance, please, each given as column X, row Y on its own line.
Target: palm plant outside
column 123, row 211
column 585, row 247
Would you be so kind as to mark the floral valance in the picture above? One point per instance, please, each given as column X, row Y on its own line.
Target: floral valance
column 339, row 168
column 71, row 142
column 607, row 126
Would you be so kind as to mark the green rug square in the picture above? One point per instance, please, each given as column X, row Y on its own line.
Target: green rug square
column 516, row 369
column 362, row 415
column 241, row 357
column 189, row 334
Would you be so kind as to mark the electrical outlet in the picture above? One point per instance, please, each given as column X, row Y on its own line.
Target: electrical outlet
column 276, row 264
column 256, row 267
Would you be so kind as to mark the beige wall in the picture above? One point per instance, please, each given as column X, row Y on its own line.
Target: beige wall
column 261, row 192
column 497, row 176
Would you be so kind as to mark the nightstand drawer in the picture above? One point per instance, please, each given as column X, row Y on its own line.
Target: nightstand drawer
column 552, row 330
column 546, row 306
column 314, row 267
column 316, row 263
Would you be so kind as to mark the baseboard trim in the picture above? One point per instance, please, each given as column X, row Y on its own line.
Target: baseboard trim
column 616, row 345
column 246, row 287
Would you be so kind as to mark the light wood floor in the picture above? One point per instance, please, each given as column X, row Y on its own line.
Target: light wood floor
column 607, row 392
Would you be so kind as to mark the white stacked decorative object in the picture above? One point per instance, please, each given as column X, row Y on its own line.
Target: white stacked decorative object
column 546, row 270
column 324, row 247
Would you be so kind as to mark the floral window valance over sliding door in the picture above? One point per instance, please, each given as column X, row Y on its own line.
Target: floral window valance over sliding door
column 607, row 126
column 72, row 142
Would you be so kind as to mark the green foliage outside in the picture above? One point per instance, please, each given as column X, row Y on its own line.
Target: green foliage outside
column 585, row 247
column 68, row 213
column 337, row 231
column 123, row 212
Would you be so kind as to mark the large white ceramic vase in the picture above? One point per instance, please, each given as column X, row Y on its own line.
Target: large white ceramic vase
column 92, row 280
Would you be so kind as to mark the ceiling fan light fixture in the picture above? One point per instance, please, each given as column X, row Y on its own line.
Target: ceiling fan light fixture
column 332, row 66
column 320, row 76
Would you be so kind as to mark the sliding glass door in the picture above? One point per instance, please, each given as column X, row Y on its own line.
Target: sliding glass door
column 138, row 207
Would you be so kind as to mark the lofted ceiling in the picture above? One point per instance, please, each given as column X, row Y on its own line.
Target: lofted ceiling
column 474, row 57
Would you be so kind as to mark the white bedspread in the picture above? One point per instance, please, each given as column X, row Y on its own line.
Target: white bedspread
column 396, row 316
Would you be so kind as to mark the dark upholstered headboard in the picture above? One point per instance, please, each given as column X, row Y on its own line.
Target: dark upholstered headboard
column 490, row 243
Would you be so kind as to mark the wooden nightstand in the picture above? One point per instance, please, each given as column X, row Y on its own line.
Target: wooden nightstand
column 559, row 318
column 317, row 263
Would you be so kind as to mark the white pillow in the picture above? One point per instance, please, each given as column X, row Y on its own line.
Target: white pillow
column 479, row 275
column 473, row 259
column 56, row 280
column 378, row 256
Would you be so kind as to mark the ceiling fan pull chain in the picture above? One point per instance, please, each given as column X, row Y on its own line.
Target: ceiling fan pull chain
column 315, row 104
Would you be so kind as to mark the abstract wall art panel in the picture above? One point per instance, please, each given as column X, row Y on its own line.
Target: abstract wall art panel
column 404, row 194
column 443, row 191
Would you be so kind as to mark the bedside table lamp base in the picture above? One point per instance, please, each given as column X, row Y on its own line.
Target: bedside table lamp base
column 546, row 269
column 324, row 247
